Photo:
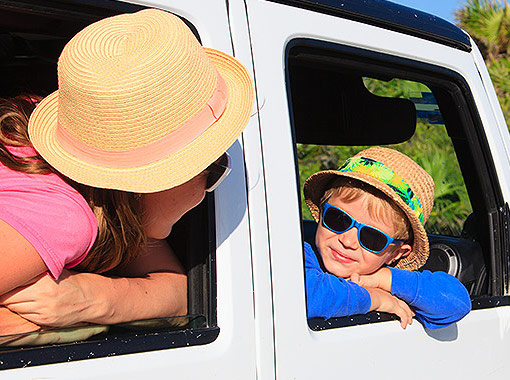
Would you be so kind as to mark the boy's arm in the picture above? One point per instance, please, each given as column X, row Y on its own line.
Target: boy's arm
column 438, row 298
column 384, row 301
column 328, row 296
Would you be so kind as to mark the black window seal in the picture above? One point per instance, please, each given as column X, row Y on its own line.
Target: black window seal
column 319, row 324
column 390, row 16
column 472, row 125
column 112, row 346
column 77, row 10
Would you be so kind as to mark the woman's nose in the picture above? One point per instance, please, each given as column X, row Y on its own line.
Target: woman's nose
column 349, row 239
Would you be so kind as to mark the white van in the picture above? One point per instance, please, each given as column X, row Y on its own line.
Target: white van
column 244, row 245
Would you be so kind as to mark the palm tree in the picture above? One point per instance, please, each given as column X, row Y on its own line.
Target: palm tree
column 488, row 23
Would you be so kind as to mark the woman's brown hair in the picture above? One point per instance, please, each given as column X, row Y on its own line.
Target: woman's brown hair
column 120, row 230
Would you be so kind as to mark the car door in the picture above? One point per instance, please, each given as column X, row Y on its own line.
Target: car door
column 288, row 40
column 218, row 340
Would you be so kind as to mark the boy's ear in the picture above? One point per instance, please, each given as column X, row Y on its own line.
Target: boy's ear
column 399, row 253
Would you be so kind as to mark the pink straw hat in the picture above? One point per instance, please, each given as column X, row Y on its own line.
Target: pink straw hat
column 140, row 105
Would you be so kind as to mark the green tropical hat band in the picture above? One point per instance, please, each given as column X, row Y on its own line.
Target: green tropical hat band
column 383, row 173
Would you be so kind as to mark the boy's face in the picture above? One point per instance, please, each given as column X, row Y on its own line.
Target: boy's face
column 343, row 255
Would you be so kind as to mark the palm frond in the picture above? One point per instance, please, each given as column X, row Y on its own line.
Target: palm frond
column 488, row 22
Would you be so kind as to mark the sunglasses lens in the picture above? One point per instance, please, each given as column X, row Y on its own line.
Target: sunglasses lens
column 337, row 220
column 372, row 239
column 212, row 179
column 217, row 172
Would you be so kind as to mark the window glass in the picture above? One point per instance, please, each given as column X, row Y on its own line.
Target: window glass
column 343, row 100
column 29, row 49
column 430, row 147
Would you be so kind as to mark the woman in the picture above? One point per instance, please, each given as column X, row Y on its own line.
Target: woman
column 131, row 140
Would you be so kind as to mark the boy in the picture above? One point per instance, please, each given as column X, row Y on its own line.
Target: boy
column 371, row 214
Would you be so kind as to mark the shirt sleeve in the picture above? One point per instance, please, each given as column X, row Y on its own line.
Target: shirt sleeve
column 58, row 224
column 329, row 296
column 437, row 298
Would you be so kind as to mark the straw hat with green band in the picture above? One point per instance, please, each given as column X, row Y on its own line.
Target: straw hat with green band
column 397, row 176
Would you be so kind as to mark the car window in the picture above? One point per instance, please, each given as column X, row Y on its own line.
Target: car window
column 344, row 99
column 430, row 146
column 29, row 48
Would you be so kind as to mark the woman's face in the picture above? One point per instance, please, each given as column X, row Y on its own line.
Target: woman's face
column 163, row 209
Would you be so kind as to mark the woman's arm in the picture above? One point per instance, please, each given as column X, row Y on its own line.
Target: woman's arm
column 20, row 264
column 156, row 287
column 19, row 261
column 12, row 323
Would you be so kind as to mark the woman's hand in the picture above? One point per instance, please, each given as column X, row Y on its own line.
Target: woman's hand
column 155, row 287
column 385, row 302
column 49, row 302
column 12, row 323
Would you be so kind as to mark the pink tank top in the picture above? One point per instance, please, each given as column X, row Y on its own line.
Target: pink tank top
column 49, row 213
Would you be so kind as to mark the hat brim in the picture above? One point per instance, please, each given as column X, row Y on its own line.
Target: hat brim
column 165, row 173
column 315, row 187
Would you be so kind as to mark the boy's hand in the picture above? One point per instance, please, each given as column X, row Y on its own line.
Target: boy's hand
column 384, row 301
column 379, row 279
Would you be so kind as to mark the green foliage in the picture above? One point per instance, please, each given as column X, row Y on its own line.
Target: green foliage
column 395, row 88
column 488, row 22
column 499, row 71
column 430, row 147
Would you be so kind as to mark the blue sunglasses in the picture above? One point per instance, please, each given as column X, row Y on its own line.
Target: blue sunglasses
column 370, row 238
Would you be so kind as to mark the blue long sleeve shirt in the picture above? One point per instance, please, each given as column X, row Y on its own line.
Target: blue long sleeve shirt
column 438, row 299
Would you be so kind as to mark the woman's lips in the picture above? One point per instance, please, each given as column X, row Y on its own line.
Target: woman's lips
column 339, row 257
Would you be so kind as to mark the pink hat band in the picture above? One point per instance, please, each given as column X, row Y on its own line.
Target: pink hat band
column 156, row 150
column 141, row 106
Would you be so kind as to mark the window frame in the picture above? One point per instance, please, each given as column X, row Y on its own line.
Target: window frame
column 201, row 276
column 479, row 153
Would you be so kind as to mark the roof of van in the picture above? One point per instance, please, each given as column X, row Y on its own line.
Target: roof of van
column 388, row 15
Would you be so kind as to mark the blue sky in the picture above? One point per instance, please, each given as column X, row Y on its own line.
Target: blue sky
column 441, row 8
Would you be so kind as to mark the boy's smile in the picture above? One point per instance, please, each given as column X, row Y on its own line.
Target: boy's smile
column 342, row 253
column 339, row 257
